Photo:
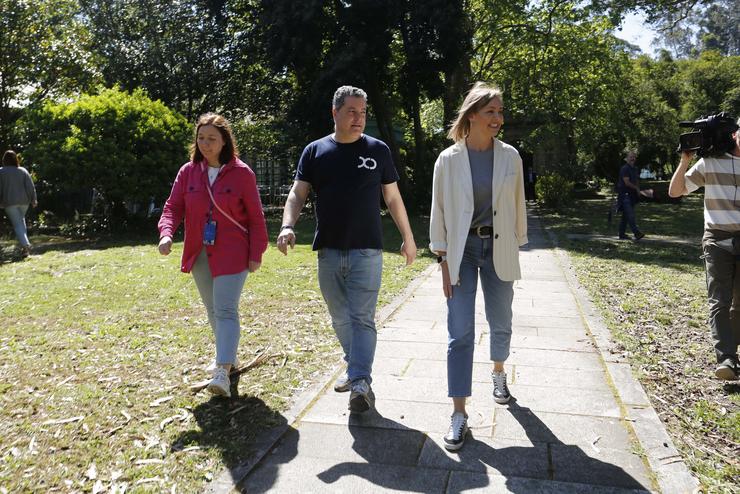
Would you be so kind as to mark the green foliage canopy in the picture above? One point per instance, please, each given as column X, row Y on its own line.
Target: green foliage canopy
column 124, row 145
column 44, row 51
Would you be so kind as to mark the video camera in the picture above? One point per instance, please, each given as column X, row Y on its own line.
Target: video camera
column 710, row 136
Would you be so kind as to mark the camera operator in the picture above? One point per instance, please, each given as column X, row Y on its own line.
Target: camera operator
column 720, row 177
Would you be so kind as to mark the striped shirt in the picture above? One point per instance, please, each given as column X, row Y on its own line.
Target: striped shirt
column 720, row 178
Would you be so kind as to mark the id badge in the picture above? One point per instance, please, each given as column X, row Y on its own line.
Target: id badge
column 209, row 233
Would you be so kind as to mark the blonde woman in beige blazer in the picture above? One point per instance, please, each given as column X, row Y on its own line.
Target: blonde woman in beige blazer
column 478, row 222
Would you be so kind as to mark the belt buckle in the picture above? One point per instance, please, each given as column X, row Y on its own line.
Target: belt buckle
column 478, row 231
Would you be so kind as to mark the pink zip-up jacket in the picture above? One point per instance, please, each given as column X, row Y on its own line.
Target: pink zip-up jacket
column 235, row 191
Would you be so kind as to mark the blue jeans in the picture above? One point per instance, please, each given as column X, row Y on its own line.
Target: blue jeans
column 17, row 215
column 220, row 295
column 628, row 215
column 498, row 296
column 350, row 281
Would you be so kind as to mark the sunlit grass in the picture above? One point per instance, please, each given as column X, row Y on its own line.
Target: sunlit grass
column 99, row 342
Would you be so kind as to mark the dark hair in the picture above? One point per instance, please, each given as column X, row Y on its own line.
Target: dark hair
column 228, row 152
column 10, row 158
column 346, row 91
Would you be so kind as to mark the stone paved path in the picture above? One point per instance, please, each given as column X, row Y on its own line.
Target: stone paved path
column 575, row 425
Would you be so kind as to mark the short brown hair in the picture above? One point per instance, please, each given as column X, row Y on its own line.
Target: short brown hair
column 10, row 158
column 479, row 96
column 229, row 150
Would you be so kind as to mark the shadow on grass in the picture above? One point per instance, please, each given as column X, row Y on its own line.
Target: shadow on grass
column 231, row 426
column 46, row 243
column 395, row 457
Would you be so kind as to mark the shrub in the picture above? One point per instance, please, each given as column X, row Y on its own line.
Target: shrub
column 124, row 145
column 554, row 191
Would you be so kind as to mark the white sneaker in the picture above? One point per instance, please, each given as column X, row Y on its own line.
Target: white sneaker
column 220, row 384
column 458, row 429
column 213, row 366
column 500, row 389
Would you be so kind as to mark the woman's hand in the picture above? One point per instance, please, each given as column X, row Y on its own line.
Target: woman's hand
column 446, row 285
column 254, row 266
column 165, row 245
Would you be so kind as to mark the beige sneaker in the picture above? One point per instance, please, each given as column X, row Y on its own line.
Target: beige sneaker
column 220, row 385
column 213, row 366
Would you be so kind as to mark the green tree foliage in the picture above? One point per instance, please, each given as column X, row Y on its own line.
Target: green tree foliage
column 554, row 191
column 125, row 146
column 43, row 52
column 711, row 83
column 176, row 51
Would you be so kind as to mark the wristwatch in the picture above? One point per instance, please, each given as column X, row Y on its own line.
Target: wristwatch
column 286, row 227
column 441, row 259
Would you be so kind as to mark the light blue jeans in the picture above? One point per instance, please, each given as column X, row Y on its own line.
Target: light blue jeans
column 17, row 215
column 498, row 296
column 220, row 295
column 350, row 282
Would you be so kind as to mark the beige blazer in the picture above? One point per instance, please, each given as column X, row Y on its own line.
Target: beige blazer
column 452, row 208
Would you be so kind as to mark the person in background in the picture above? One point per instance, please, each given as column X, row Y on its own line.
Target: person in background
column 628, row 193
column 225, row 234
column 17, row 193
column 478, row 222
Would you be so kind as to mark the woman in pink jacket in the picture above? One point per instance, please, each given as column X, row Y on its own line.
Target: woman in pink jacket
column 225, row 233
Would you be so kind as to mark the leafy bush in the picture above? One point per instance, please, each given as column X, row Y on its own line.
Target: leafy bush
column 125, row 146
column 554, row 191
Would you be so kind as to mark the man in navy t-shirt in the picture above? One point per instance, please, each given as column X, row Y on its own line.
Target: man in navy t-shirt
column 628, row 193
column 348, row 172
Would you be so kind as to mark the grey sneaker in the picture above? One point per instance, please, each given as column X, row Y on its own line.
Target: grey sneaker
column 359, row 399
column 342, row 384
column 458, row 429
column 220, row 384
column 500, row 389
column 727, row 370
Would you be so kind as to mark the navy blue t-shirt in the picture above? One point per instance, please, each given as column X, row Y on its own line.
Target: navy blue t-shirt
column 346, row 179
column 631, row 173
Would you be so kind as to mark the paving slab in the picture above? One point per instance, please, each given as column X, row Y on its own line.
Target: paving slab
column 307, row 475
column 575, row 422
column 588, row 432
column 433, row 418
column 483, row 483
column 492, row 456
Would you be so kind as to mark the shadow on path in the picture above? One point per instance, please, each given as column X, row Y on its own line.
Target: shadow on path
column 379, row 451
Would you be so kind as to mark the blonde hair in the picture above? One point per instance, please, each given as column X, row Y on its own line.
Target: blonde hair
column 479, row 96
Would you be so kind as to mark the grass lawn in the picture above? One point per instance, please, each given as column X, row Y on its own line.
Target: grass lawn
column 99, row 342
column 653, row 298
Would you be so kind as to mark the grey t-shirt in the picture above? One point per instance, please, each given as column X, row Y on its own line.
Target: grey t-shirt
column 481, row 168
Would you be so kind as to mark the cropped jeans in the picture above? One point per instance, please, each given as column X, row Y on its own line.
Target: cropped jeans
column 350, row 282
column 498, row 296
column 17, row 216
column 221, row 296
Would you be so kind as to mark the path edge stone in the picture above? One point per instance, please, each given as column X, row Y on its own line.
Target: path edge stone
column 671, row 473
